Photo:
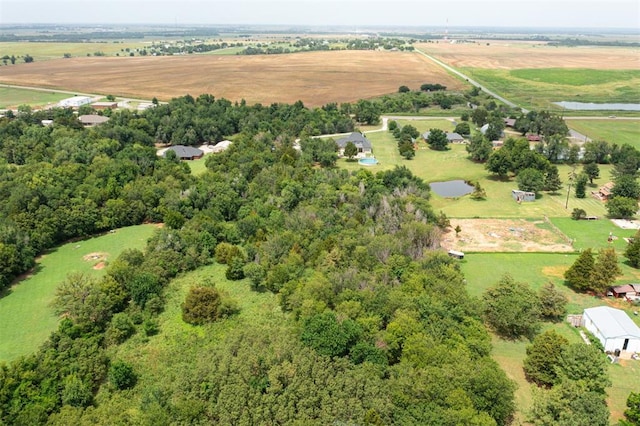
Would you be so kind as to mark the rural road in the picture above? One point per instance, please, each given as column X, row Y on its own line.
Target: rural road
column 475, row 83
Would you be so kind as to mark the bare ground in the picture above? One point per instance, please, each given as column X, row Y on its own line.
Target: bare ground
column 516, row 55
column 504, row 235
column 316, row 78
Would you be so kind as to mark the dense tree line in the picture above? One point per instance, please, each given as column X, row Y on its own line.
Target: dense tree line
column 376, row 326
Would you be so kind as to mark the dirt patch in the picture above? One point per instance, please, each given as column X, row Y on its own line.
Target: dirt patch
column 504, row 235
column 95, row 256
column 316, row 78
column 516, row 55
column 99, row 265
column 554, row 271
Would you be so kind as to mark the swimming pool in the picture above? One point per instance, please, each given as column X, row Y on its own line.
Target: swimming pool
column 369, row 161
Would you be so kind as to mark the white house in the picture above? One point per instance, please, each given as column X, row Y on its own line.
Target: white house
column 613, row 328
column 75, row 102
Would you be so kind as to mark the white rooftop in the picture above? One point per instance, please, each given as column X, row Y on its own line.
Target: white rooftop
column 612, row 322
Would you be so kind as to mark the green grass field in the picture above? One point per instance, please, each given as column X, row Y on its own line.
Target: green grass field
column 11, row 97
column 593, row 233
column 41, row 51
column 538, row 88
column 26, row 315
column 198, row 166
column 483, row 270
column 613, row 131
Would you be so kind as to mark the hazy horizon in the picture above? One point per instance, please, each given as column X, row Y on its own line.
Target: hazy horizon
column 561, row 14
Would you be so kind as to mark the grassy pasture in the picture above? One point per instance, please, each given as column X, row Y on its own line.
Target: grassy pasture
column 11, row 97
column 534, row 89
column 43, row 51
column 26, row 315
column 483, row 271
column 610, row 130
column 593, row 233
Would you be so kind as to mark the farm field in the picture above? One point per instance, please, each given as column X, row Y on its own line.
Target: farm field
column 316, row 78
column 534, row 74
column 26, row 315
column 11, row 97
column 612, row 130
column 44, row 51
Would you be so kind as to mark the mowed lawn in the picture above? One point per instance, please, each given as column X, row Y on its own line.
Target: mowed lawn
column 438, row 166
column 483, row 270
column 618, row 131
column 26, row 315
column 11, row 97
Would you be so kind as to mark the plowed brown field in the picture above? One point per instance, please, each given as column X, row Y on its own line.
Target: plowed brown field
column 517, row 55
column 316, row 78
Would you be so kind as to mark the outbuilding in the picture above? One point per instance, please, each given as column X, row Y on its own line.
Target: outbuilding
column 520, row 196
column 613, row 327
column 74, row 102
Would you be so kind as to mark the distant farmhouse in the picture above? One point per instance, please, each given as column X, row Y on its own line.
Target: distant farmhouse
column 74, row 102
column 185, row 152
column 627, row 291
column 451, row 137
column 104, row 105
column 613, row 327
column 520, row 196
column 359, row 140
column 604, row 192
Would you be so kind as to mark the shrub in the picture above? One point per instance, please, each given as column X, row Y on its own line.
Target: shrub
column 578, row 214
column 205, row 304
column 121, row 375
column 120, row 329
column 224, row 252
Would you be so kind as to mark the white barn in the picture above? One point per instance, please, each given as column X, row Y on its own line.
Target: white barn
column 613, row 328
column 75, row 102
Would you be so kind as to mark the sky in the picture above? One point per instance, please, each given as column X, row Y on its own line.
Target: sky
column 351, row 13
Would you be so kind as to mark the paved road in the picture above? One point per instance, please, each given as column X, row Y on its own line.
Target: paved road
column 475, row 83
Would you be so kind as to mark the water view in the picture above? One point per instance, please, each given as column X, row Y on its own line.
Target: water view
column 590, row 106
column 452, row 188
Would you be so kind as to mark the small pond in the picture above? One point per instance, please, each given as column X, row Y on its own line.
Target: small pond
column 583, row 106
column 452, row 188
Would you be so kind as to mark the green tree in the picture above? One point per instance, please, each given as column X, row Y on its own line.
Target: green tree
column 606, row 270
column 350, row 150
column 632, row 413
column 462, row 129
column 121, row 375
column 76, row 393
column 437, row 140
column 28, row 58
column 406, row 150
column 592, row 170
column 499, row 163
column 478, row 192
column 552, row 182
column 581, row 185
column 622, row 207
column 578, row 214
column 202, row 305
column 403, row 89
column 568, row 404
column 626, row 186
column 579, row 275
column 585, row 365
column 367, row 112
column 329, row 337
column 632, row 252
column 530, row 180
column 479, row 116
column 553, row 304
column 479, row 148
column 543, row 357
column 511, row 308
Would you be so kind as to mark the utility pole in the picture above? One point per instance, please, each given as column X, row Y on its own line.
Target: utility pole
column 572, row 175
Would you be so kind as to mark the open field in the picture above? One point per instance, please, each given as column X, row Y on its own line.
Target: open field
column 505, row 235
column 532, row 91
column 510, row 55
column 611, row 130
column 12, row 98
column 26, row 315
column 593, row 233
column 483, row 270
column 316, row 78
column 43, row 51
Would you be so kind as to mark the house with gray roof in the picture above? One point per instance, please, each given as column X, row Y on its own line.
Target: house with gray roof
column 613, row 327
column 359, row 140
column 451, row 137
column 90, row 120
column 185, row 152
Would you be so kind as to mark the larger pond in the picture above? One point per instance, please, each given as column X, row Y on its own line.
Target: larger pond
column 452, row 188
column 584, row 106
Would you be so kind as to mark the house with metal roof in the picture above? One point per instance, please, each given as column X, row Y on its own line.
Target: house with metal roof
column 613, row 327
column 452, row 137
